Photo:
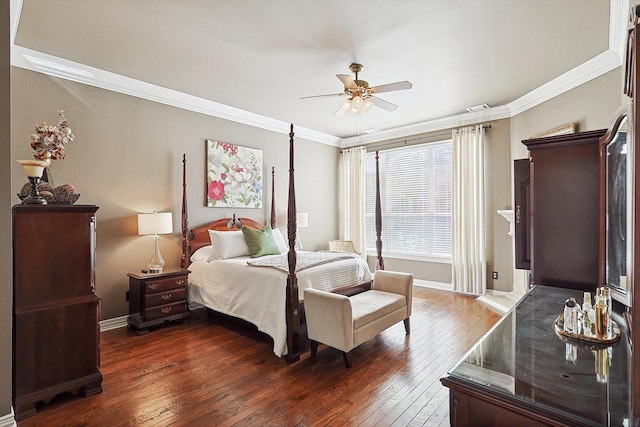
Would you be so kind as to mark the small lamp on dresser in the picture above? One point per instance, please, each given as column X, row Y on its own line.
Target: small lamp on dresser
column 154, row 224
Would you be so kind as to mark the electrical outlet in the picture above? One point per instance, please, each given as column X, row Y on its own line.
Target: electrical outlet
column 494, row 275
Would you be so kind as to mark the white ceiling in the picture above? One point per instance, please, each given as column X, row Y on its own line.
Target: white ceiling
column 250, row 60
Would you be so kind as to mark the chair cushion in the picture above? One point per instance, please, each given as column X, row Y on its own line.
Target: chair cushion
column 371, row 305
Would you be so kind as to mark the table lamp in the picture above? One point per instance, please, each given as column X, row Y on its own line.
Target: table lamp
column 154, row 224
column 34, row 170
column 302, row 221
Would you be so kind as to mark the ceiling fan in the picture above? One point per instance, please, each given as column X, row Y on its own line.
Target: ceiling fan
column 361, row 97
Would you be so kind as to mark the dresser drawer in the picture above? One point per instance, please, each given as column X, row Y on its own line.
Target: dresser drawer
column 166, row 297
column 164, row 284
column 164, row 310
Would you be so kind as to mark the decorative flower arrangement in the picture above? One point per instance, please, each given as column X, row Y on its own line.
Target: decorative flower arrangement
column 49, row 142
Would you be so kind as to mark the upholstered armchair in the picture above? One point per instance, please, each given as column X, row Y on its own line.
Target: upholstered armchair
column 345, row 322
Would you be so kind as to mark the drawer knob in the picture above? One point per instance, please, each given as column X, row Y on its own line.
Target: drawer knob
column 153, row 286
column 166, row 310
column 166, row 296
column 180, row 282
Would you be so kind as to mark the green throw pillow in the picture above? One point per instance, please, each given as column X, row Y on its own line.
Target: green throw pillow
column 260, row 242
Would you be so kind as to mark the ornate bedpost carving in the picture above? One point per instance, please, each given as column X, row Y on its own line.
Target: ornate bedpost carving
column 273, row 197
column 293, row 302
column 184, row 261
column 380, row 261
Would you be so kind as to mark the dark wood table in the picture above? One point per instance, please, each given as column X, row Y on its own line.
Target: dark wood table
column 524, row 374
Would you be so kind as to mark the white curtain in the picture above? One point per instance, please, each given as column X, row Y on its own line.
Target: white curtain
column 469, row 261
column 351, row 197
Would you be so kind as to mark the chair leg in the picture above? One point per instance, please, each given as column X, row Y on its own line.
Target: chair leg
column 347, row 362
column 314, row 348
column 407, row 326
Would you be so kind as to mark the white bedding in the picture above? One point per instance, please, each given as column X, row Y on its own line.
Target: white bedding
column 257, row 294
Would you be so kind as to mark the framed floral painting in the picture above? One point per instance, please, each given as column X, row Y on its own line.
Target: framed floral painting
column 234, row 176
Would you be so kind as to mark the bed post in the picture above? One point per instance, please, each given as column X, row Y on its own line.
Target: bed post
column 293, row 302
column 273, row 197
column 184, row 261
column 380, row 261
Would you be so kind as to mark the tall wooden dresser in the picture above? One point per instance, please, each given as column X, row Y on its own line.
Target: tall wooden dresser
column 56, row 311
column 561, row 213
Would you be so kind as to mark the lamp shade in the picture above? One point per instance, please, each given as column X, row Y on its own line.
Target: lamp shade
column 302, row 219
column 155, row 223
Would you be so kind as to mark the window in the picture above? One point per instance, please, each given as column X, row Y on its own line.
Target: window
column 415, row 196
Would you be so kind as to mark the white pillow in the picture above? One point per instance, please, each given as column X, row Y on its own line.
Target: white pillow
column 205, row 253
column 277, row 235
column 228, row 244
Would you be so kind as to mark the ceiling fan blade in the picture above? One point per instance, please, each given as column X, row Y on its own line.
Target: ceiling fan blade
column 392, row 86
column 322, row 96
column 347, row 81
column 385, row 105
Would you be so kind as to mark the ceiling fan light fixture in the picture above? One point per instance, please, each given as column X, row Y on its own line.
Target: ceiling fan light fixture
column 366, row 106
column 346, row 105
column 357, row 102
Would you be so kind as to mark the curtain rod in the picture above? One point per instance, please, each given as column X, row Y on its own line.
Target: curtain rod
column 413, row 141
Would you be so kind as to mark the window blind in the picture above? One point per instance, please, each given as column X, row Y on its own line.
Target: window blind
column 415, row 195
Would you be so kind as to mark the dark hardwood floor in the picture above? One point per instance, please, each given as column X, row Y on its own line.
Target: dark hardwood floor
column 220, row 371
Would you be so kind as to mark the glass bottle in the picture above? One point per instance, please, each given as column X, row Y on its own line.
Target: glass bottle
column 601, row 315
column 606, row 296
column 571, row 309
column 588, row 315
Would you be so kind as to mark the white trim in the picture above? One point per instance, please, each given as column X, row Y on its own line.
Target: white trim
column 465, row 119
column 113, row 323
column 583, row 73
column 15, row 10
column 8, row 420
column 69, row 70
column 431, row 284
column 618, row 24
column 500, row 301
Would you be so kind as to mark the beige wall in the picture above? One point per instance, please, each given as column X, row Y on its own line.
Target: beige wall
column 6, row 299
column 127, row 158
column 591, row 106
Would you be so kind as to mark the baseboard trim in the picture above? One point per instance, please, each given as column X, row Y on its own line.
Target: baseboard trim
column 8, row 420
column 113, row 323
column 431, row 284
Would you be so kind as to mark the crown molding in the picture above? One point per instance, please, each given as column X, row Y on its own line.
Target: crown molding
column 69, row 70
column 15, row 9
column 583, row 73
column 59, row 67
column 494, row 113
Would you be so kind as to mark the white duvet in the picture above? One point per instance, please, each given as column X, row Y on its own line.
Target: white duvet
column 257, row 294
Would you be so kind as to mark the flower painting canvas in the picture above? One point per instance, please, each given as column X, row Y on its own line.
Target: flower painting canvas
column 234, row 176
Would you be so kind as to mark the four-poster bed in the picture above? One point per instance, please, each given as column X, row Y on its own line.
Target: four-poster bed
column 228, row 285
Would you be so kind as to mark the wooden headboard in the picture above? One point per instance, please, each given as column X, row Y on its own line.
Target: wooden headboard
column 200, row 235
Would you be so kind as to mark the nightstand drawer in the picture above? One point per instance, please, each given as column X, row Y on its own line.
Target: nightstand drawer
column 162, row 284
column 164, row 310
column 165, row 298
column 157, row 298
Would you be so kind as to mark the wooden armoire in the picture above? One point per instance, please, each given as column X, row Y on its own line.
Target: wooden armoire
column 56, row 311
column 557, row 208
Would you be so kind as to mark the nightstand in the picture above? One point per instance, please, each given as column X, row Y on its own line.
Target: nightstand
column 157, row 298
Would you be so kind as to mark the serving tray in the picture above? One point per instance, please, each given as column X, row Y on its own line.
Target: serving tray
column 559, row 326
